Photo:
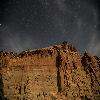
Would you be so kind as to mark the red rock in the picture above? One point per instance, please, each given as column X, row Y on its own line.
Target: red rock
column 54, row 73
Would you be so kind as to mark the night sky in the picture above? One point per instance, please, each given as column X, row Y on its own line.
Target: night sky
column 28, row 24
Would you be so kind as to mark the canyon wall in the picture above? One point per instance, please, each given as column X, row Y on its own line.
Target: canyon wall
column 54, row 73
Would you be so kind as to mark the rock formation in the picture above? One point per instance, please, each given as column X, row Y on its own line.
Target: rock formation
column 57, row 72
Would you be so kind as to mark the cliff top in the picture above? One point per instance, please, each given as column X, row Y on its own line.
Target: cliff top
column 64, row 46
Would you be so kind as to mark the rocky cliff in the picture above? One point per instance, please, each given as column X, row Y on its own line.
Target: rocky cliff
column 57, row 72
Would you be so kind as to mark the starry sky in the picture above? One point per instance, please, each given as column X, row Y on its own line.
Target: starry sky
column 28, row 24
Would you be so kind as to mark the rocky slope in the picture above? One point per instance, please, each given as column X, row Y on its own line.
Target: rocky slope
column 57, row 72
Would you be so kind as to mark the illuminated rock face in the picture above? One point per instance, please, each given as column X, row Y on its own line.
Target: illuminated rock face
column 54, row 73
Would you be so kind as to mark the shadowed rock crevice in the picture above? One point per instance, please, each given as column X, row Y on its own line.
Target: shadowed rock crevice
column 85, row 98
column 59, row 65
column 2, row 97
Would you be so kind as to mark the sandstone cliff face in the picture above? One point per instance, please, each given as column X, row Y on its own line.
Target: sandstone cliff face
column 54, row 73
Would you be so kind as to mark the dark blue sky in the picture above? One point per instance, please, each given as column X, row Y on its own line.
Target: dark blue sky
column 28, row 24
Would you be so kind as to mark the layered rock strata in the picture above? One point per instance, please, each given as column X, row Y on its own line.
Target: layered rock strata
column 58, row 72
